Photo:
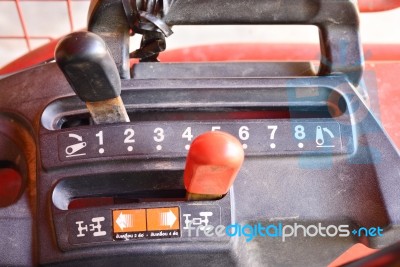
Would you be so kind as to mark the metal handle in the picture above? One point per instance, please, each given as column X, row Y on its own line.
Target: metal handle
column 337, row 20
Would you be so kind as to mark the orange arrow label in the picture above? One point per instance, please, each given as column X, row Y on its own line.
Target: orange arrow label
column 163, row 219
column 129, row 220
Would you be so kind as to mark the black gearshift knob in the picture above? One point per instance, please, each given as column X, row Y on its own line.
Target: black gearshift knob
column 84, row 59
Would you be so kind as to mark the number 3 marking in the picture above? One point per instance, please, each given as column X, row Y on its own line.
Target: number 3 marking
column 159, row 135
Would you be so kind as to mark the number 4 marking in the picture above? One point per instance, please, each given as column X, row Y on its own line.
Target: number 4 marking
column 273, row 128
column 188, row 134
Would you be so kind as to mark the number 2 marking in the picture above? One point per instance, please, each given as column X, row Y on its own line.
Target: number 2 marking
column 130, row 133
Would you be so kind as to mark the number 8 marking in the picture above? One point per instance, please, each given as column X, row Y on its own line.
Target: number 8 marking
column 299, row 132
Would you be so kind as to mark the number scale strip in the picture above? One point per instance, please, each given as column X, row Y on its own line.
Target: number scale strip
column 155, row 139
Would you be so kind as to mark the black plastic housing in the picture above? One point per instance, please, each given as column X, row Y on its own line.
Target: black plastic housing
column 354, row 180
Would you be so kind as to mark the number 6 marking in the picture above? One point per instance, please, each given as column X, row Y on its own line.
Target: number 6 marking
column 244, row 133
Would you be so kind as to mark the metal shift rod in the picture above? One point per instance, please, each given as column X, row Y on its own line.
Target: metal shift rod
column 89, row 68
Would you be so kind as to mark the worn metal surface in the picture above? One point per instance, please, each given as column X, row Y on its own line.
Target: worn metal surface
column 108, row 111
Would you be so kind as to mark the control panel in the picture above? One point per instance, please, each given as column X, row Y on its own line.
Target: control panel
column 152, row 167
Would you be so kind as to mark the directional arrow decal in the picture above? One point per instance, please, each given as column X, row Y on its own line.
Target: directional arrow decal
column 328, row 132
column 167, row 218
column 77, row 137
column 124, row 221
column 131, row 224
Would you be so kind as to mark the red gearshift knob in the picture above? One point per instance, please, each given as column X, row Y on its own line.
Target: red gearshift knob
column 213, row 161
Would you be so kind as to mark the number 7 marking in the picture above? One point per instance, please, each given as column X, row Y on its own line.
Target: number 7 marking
column 273, row 128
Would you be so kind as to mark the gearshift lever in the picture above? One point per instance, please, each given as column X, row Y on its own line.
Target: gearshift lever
column 89, row 68
column 213, row 161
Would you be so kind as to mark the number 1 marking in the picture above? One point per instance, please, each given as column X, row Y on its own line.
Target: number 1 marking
column 100, row 136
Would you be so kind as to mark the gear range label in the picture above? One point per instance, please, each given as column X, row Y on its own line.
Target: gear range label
column 188, row 221
column 152, row 223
